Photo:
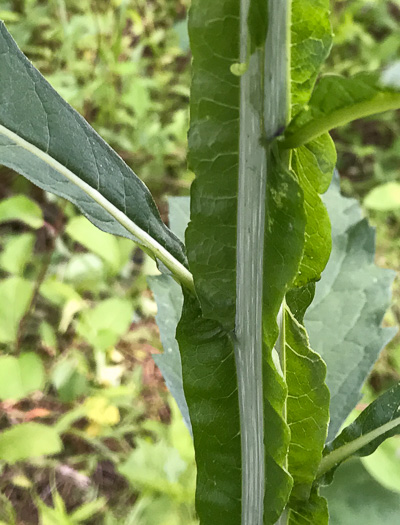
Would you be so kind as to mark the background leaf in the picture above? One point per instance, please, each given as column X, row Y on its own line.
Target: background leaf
column 17, row 292
column 385, row 197
column 20, row 208
column 355, row 497
column 20, row 376
column 350, row 302
column 28, row 440
column 379, row 421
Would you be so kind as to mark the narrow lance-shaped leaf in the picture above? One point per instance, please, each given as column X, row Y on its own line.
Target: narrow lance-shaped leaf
column 379, row 421
column 44, row 139
column 338, row 100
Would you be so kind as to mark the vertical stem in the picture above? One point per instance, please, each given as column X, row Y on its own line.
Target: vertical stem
column 250, row 247
column 263, row 110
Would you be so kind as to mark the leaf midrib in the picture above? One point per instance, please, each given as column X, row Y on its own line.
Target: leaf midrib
column 177, row 268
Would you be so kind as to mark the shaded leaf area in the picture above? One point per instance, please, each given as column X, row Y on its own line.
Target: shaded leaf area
column 43, row 138
column 168, row 296
column 213, row 156
column 379, row 421
column 169, row 299
column 338, row 100
column 355, row 497
column 349, row 305
column 210, row 386
column 311, row 41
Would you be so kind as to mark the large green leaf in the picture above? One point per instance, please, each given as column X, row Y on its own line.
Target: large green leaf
column 350, row 302
column 379, row 421
column 45, row 140
column 338, row 100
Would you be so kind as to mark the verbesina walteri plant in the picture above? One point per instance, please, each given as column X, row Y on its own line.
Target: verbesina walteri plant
column 264, row 408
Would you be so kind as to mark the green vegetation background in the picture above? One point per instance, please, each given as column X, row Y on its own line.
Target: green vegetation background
column 75, row 309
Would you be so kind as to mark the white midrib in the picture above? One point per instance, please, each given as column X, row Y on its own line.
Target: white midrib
column 177, row 268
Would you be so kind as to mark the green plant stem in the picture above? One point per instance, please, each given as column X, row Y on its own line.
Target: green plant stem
column 345, row 451
column 181, row 273
column 249, row 279
column 318, row 126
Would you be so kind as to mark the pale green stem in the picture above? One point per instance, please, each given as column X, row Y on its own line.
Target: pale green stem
column 315, row 128
column 181, row 273
column 345, row 451
column 249, row 279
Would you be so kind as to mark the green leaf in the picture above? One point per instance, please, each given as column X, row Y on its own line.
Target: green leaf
column 169, row 299
column 355, row 497
column 159, row 468
column 105, row 324
column 20, row 208
column 307, row 394
column 168, row 296
column 45, row 140
column 212, row 396
column 213, row 155
column 15, row 296
column 384, row 463
column 179, row 214
column 349, row 305
column 338, row 100
column 379, row 421
column 311, row 512
column 20, row 376
column 313, row 164
column 102, row 244
column 27, row 441
column 311, row 40
column 385, row 197
column 284, row 242
column 17, row 253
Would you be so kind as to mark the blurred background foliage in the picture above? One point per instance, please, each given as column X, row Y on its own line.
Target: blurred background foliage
column 88, row 431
